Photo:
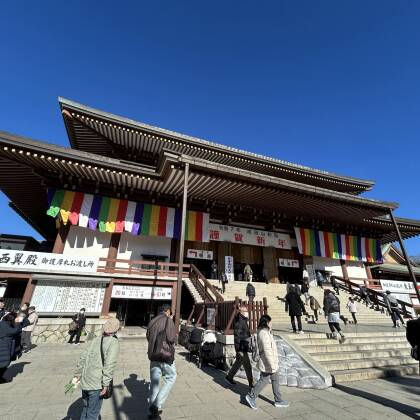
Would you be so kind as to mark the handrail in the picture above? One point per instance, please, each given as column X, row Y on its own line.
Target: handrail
column 206, row 290
column 378, row 298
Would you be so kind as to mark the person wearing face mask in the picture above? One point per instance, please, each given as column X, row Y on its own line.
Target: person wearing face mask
column 79, row 322
column 242, row 336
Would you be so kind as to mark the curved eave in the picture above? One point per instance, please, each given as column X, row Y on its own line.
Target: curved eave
column 83, row 122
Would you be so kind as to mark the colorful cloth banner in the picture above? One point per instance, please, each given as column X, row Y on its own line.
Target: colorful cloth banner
column 117, row 215
column 336, row 245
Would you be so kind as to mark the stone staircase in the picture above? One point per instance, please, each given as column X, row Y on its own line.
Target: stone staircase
column 274, row 293
column 364, row 355
column 193, row 291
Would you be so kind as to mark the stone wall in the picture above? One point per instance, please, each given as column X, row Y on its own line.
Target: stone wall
column 56, row 330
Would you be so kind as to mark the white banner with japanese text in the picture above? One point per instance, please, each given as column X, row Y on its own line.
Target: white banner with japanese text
column 44, row 261
column 229, row 269
column 401, row 287
column 248, row 236
column 285, row 262
column 122, row 291
column 200, row 254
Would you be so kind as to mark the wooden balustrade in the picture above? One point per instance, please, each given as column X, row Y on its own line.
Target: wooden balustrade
column 206, row 290
column 376, row 296
column 225, row 313
column 141, row 267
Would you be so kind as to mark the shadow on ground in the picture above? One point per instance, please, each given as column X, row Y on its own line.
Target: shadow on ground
column 405, row 409
column 15, row 369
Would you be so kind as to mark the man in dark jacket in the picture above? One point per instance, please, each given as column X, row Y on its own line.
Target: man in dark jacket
column 296, row 307
column 392, row 304
column 161, row 333
column 413, row 333
column 241, row 336
column 2, row 308
column 250, row 292
column 80, row 321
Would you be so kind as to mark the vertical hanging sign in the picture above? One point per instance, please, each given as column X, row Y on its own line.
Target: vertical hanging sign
column 229, row 268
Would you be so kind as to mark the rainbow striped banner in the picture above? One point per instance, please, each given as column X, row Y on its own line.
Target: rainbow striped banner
column 336, row 245
column 117, row 215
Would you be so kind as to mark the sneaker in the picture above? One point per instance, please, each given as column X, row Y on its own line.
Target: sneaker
column 294, row 332
column 342, row 339
column 230, row 381
column 251, row 401
column 154, row 412
column 301, row 332
column 281, row 404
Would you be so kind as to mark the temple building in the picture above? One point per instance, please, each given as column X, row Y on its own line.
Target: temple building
column 111, row 208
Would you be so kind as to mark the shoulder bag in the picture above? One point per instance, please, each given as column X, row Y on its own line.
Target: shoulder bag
column 163, row 351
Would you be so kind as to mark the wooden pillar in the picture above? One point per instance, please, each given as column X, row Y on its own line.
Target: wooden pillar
column 174, row 295
column 344, row 268
column 270, row 264
column 114, row 244
column 181, row 247
column 29, row 291
column 60, row 240
column 107, row 299
column 174, row 250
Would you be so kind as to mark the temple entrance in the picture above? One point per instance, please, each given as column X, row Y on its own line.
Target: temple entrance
column 136, row 312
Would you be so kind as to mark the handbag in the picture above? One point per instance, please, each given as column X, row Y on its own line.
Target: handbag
column 163, row 351
column 110, row 388
column 73, row 326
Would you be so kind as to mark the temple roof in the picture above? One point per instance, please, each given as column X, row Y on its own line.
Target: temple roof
column 228, row 193
column 107, row 134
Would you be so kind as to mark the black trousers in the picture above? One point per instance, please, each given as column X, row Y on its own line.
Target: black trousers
column 334, row 326
column 353, row 314
column 395, row 314
column 299, row 322
column 77, row 333
column 2, row 371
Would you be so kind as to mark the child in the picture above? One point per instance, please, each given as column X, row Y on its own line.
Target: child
column 351, row 305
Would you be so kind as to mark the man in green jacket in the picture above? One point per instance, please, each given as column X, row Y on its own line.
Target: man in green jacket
column 94, row 374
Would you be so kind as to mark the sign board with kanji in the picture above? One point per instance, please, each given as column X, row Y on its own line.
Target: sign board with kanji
column 122, row 291
column 44, row 261
column 200, row 254
column 248, row 236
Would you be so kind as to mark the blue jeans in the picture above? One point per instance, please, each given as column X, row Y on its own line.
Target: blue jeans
column 168, row 373
column 91, row 405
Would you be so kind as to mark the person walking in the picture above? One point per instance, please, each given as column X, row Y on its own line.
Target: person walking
column 364, row 294
column 10, row 331
column 319, row 279
column 223, row 280
column 214, row 270
column 250, row 292
column 305, row 290
column 268, row 364
column 332, row 312
column 95, row 369
column 79, row 322
column 392, row 305
column 315, row 307
column 241, row 340
column 295, row 307
column 247, row 273
column 27, row 331
column 352, row 307
column 161, row 336
column 334, row 285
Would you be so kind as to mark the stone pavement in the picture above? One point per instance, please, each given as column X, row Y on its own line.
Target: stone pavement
column 37, row 392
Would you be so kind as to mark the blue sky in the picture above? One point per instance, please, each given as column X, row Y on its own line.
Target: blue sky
column 330, row 84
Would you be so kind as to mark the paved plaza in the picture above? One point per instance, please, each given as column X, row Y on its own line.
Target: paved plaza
column 37, row 392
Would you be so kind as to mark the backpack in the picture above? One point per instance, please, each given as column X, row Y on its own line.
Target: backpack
column 254, row 349
column 163, row 351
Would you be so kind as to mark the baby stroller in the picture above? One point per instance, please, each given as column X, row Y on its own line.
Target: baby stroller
column 201, row 345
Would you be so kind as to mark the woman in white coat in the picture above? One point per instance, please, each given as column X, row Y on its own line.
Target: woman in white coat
column 268, row 364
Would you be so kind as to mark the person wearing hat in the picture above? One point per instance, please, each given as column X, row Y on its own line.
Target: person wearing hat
column 95, row 369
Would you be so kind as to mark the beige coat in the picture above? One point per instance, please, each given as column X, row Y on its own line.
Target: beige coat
column 269, row 358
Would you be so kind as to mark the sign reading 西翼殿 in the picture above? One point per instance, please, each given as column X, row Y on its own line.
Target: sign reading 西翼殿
column 394, row 286
column 44, row 261
column 121, row 291
column 247, row 236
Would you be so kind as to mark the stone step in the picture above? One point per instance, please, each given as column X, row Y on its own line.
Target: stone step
column 352, row 355
column 313, row 350
column 366, row 363
column 350, row 335
column 341, row 376
column 351, row 340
